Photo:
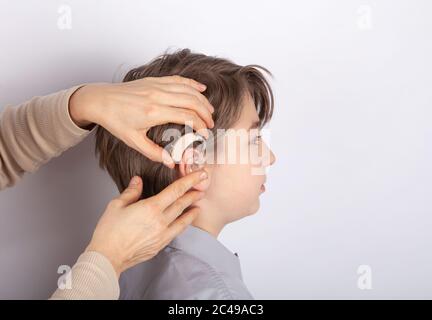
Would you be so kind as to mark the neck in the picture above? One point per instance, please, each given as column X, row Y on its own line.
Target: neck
column 209, row 220
column 213, row 230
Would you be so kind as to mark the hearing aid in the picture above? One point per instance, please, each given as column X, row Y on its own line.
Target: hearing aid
column 178, row 147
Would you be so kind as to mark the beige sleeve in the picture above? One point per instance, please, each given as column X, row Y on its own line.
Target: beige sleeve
column 30, row 135
column 35, row 132
column 92, row 277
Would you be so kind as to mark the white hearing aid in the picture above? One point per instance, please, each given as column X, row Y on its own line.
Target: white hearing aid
column 177, row 149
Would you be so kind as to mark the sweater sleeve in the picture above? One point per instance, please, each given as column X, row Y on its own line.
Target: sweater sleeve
column 30, row 135
column 92, row 277
column 34, row 132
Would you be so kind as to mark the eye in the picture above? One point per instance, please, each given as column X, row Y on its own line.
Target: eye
column 257, row 139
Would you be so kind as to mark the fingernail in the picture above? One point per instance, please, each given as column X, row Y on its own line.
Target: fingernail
column 203, row 86
column 212, row 109
column 203, row 175
column 206, row 133
column 134, row 181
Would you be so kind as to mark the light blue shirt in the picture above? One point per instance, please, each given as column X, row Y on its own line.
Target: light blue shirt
column 195, row 265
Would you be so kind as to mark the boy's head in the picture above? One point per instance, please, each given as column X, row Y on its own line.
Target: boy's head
column 243, row 103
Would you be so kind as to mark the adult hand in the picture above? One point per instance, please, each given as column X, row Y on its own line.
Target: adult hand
column 131, row 231
column 129, row 109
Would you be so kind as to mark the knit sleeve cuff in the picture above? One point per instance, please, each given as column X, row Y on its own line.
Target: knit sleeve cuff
column 92, row 278
column 64, row 117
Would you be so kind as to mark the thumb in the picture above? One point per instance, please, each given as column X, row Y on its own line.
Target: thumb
column 133, row 192
column 153, row 151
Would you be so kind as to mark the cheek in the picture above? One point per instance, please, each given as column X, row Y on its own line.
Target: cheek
column 236, row 183
column 247, row 191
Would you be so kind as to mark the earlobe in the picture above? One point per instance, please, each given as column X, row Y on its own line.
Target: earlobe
column 193, row 160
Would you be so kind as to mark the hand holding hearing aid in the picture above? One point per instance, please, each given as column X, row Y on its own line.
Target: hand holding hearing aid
column 129, row 109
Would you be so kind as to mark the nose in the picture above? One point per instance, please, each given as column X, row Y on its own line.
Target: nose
column 270, row 159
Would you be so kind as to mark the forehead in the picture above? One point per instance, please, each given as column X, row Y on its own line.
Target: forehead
column 249, row 114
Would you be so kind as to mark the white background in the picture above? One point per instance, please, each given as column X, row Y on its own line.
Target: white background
column 351, row 132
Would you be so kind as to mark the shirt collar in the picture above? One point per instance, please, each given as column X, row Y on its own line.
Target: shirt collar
column 207, row 248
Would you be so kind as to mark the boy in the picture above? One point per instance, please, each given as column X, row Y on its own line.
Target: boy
column 196, row 265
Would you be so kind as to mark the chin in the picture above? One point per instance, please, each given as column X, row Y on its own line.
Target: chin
column 249, row 211
column 255, row 207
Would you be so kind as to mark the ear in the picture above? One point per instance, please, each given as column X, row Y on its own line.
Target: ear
column 193, row 160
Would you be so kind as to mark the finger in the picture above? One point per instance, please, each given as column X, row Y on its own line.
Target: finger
column 168, row 114
column 178, row 188
column 177, row 208
column 132, row 193
column 151, row 150
column 186, row 89
column 179, row 79
column 186, row 101
column 180, row 224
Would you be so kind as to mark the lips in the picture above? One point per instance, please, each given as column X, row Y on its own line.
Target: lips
column 263, row 188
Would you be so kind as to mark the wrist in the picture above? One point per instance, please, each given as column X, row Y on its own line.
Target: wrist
column 80, row 108
column 117, row 266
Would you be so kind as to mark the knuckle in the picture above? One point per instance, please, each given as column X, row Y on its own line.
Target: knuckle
column 199, row 122
column 177, row 78
column 154, row 93
column 163, row 225
column 179, row 189
column 202, row 101
column 156, row 225
column 188, row 114
column 150, row 111
column 193, row 117
column 194, row 101
column 184, row 99
column 179, row 205
column 153, row 207
column 160, row 226
column 146, row 92
column 190, row 82
column 151, row 94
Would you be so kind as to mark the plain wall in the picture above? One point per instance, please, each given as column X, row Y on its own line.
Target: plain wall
column 351, row 132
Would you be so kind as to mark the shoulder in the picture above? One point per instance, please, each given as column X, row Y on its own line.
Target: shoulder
column 183, row 276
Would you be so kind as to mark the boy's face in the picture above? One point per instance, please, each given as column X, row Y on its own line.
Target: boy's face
column 237, row 181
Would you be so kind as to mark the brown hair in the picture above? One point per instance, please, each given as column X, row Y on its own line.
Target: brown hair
column 226, row 82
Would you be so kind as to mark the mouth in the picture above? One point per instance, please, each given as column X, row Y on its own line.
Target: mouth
column 263, row 188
